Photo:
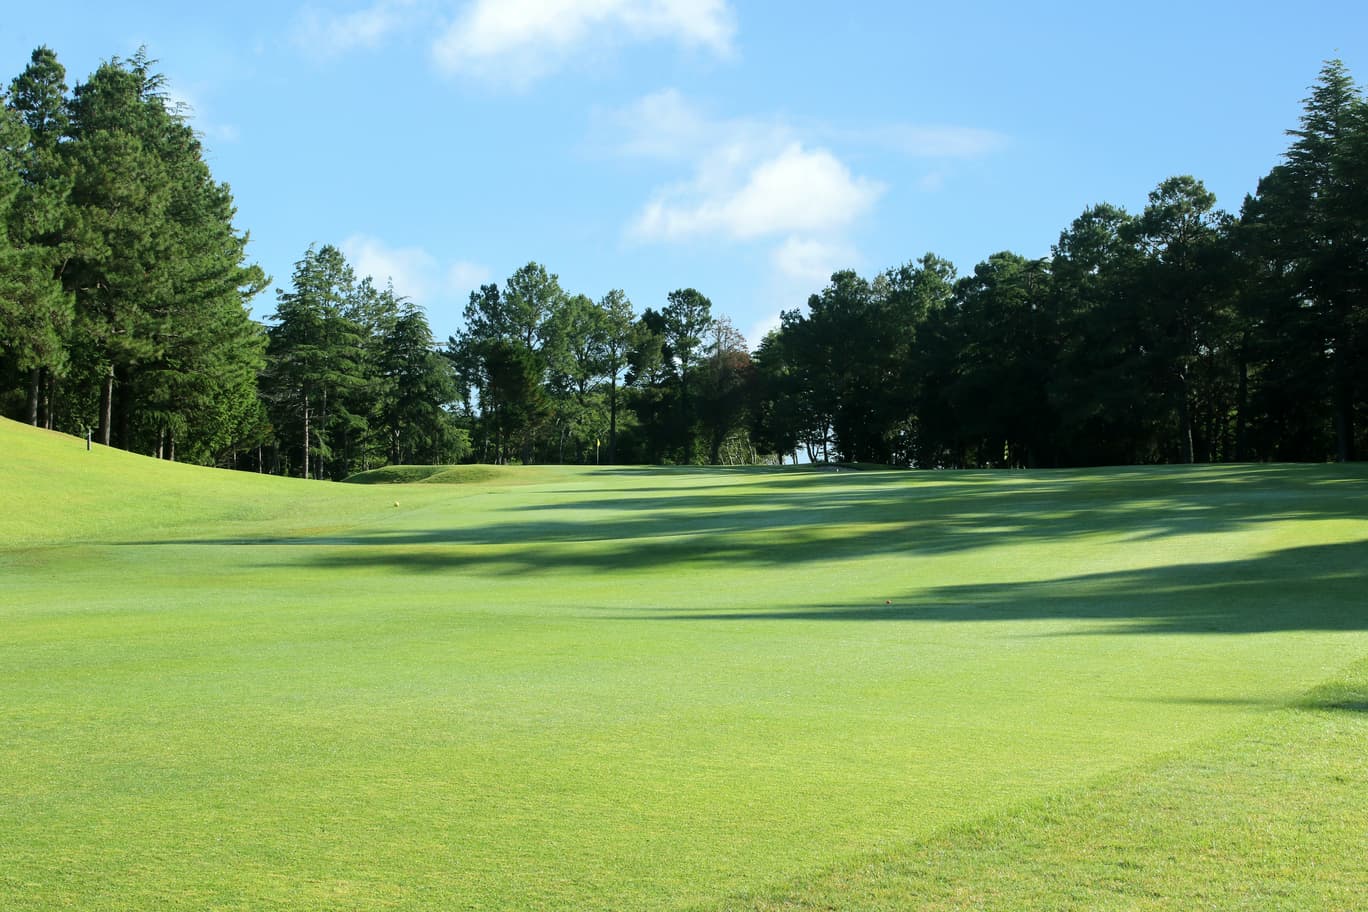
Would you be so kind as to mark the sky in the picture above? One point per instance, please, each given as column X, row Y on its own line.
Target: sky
column 746, row 148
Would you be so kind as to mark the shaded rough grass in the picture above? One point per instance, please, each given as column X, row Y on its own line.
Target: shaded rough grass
column 627, row 688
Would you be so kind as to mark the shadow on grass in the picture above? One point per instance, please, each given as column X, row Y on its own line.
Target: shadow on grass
column 777, row 520
column 745, row 517
column 1318, row 587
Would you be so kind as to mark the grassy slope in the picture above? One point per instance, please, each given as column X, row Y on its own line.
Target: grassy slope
column 642, row 689
column 1271, row 817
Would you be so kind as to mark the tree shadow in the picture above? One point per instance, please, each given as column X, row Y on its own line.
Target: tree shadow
column 1318, row 587
column 747, row 517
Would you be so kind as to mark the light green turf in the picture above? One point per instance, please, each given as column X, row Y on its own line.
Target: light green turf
column 643, row 689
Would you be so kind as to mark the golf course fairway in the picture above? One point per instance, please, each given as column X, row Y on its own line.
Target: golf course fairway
column 597, row 688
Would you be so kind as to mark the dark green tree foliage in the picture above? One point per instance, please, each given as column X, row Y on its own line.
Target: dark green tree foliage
column 833, row 342
column 1180, row 236
column 35, row 310
column 123, row 254
column 777, row 412
column 574, row 350
column 418, row 384
column 618, row 335
column 316, row 358
column 857, row 370
column 650, row 376
column 1006, row 351
column 726, row 392
column 504, row 357
column 919, row 298
column 125, row 280
column 1104, row 406
column 1303, row 236
column 685, row 320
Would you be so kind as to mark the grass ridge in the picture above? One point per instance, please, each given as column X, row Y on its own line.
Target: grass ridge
column 1028, row 857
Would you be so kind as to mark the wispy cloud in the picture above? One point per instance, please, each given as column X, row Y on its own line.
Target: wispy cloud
column 812, row 262
column 763, row 327
column 464, row 276
column 669, row 127
column 323, row 33
column 415, row 273
column 412, row 270
column 187, row 103
column 944, row 141
column 520, row 41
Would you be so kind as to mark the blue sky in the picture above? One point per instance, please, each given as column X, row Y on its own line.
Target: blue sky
column 743, row 148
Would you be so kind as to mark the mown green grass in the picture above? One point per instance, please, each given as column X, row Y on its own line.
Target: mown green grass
column 457, row 474
column 1269, row 817
column 641, row 689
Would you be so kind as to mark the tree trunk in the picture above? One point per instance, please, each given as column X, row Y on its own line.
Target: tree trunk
column 1184, row 419
column 612, row 420
column 49, row 398
column 1242, row 407
column 170, row 445
column 1344, row 430
column 106, row 406
column 306, row 438
column 323, row 423
column 125, row 438
column 35, row 383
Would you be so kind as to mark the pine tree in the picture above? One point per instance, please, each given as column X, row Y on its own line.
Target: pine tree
column 35, row 310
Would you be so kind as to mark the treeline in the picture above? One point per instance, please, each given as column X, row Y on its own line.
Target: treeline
column 123, row 283
column 548, row 376
column 1177, row 334
column 1181, row 333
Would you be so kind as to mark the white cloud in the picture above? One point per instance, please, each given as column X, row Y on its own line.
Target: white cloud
column 464, row 276
column 187, row 104
column 667, row 126
column 438, row 286
column 520, row 41
column 771, row 179
column 327, row 34
column 756, row 177
column 934, row 140
column 661, row 125
column 762, row 328
column 413, row 271
column 812, row 261
column 797, row 190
